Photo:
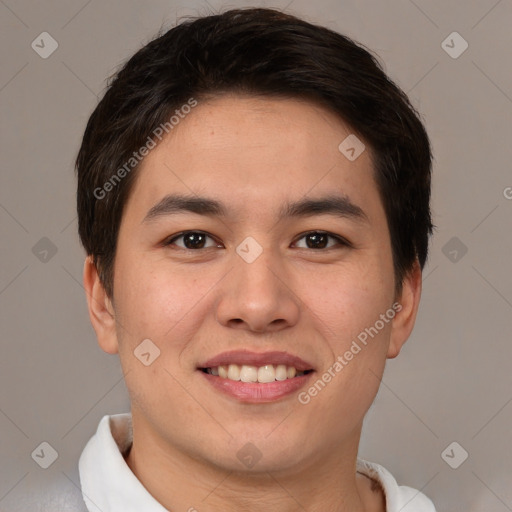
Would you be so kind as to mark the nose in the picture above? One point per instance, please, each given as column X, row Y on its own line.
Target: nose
column 258, row 296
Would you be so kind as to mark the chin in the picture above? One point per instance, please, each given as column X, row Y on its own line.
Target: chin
column 260, row 454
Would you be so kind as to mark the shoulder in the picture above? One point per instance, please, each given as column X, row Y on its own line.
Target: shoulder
column 398, row 497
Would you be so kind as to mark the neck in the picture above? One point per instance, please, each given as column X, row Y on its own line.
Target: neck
column 180, row 482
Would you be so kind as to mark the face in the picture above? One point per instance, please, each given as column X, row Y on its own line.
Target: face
column 283, row 267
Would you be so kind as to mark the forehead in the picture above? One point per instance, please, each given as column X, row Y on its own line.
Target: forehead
column 252, row 152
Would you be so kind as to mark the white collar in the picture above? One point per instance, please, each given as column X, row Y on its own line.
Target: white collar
column 108, row 484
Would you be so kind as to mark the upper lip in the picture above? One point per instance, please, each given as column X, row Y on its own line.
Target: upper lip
column 246, row 357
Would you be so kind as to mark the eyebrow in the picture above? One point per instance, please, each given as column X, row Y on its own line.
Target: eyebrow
column 339, row 206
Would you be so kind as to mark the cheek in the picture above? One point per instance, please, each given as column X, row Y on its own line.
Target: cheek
column 348, row 319
column 148, row 300
column 347, row 311
column 151, row 304
column 162, row 303
column 347, row 301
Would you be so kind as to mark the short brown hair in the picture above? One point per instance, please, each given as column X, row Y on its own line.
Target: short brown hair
column 261, row 52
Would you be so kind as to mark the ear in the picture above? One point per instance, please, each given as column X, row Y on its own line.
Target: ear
column 101, row 311
column 407, row 307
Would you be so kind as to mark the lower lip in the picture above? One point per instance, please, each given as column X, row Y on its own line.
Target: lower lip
column 255, row 392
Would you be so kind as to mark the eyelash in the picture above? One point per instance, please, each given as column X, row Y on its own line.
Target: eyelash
column 341, row 242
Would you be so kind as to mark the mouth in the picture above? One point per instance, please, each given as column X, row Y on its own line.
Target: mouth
column 254, row 378
column 250, row 373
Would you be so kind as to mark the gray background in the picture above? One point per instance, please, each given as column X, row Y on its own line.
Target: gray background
column 452, row 381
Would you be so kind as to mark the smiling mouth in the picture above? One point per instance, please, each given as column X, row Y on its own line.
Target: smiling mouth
column 261, row 374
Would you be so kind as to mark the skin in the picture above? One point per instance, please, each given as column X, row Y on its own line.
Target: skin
column 253, row 155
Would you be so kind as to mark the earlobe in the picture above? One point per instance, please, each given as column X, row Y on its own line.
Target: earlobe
column 404, row 320
column 101, row 311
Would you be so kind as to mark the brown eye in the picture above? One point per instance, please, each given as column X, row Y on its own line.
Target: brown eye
column 191, row 240
column 320, row 240
column 317, row 240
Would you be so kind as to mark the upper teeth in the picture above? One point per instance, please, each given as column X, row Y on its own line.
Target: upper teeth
column 248, row 373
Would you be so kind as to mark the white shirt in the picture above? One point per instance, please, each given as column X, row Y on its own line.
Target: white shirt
column 108, row 484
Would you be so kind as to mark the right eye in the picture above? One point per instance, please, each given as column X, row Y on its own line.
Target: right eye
column 192, row 240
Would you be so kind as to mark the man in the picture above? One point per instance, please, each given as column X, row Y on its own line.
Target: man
column 253, row 197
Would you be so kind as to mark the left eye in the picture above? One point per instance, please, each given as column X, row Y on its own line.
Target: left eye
column 191, row 240
column 320, row 240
